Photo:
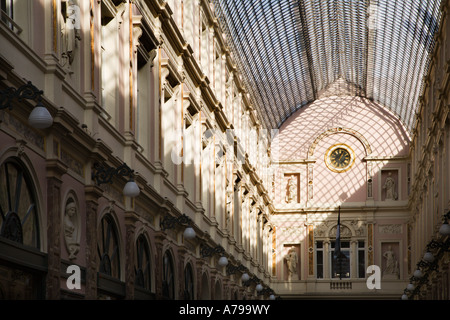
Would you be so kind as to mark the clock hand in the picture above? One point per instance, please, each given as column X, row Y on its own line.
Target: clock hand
column 340, row 156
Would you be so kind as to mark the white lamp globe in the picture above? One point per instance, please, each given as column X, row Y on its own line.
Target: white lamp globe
column 189, row 233
column 404, row 296
column 445, row 229
column 259, row 287
column 410, row 287
column 223, row 261
column 40, row 117
column 245, row 277
column 131, row 189
column 428, row 257
column 272, row 297
column 417, row 274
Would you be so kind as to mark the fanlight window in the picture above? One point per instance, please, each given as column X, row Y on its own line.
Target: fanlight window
column 168, row 277
column 18, row 211
column 143, row 265
column 108, row 248
column 188, row 283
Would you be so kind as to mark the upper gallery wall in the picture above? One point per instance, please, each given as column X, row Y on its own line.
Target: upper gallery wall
column 375, row 140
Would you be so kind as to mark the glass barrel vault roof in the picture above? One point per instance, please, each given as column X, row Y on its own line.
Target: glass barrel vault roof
column 289, row 51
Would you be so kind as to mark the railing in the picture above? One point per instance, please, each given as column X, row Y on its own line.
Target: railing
column 340, row 285
column 7, row 20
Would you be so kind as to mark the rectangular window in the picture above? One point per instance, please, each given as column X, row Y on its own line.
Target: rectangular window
column 340, row 268
column 361, row 260
column 7, row 12
column 319, row 259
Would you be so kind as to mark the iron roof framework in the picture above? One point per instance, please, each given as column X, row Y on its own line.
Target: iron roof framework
column 290, row 51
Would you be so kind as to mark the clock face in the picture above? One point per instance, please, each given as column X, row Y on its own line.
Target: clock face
column 339, row 158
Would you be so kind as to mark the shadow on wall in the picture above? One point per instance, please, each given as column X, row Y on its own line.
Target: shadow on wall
column 376, row 173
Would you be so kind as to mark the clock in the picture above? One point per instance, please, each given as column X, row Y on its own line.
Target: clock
column 339, row 158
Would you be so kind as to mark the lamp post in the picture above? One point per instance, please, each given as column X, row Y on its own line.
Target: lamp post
column 39, row 117
column 101, row 175
column 170, row 222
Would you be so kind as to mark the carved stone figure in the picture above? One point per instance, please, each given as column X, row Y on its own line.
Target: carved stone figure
column 391, row 269
column 71, row 230
column 292, row 261
column 389, row 185
column 229, row 207
column 70, row 30
column 290, row 190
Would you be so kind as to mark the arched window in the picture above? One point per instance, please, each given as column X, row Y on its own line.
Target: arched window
column 108, row 247
column 18, row 211
column 188, row 283
column 168, row 277
column 218, row 291
column 142, row 264
column 205, row 293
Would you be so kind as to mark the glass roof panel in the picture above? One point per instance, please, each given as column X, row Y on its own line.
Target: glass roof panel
column 290, row 51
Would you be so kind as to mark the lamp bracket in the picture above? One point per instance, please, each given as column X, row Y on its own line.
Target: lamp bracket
column 169, row 221
column 26, row 91
column 102, row 174
column 207, row 251
column 233, row 269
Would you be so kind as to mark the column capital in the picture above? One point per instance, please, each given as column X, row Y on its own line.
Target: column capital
column 55, row 168
column 92, row 192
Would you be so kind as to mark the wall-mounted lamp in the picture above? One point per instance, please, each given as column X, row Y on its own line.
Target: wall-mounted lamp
column 417, row 275
column 259, row 287
column 430, row 260
column 267, row 291
column 39, row 117
column 207, row 251
column 101, row 175
column 253, row 279
column 445, row 228
column 231, row 269
column 170, row 222
column 410, row 287
column 428, row 257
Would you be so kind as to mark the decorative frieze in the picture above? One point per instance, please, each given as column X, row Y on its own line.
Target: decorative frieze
column 25, row 131
column 75, row 165
column 390, row 229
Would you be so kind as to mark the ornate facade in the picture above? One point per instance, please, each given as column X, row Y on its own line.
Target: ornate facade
column 152, row 86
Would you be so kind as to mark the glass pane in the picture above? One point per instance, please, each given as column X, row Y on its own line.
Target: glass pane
column 361, row 264
column 319, row 264
column 340, row 267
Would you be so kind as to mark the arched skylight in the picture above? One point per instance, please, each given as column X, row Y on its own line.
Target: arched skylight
column 292, row 51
